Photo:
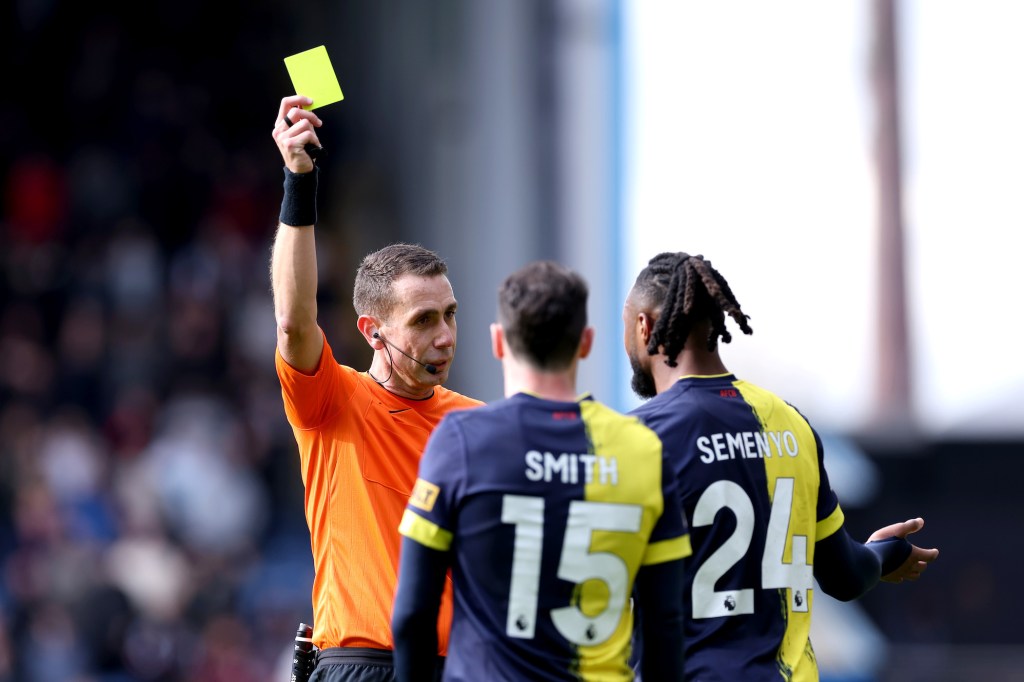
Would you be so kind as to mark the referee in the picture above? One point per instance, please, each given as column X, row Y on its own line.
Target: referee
column 360, row 434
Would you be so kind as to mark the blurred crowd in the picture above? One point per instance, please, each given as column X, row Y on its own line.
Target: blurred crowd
column 151, row 522
column 150, row 504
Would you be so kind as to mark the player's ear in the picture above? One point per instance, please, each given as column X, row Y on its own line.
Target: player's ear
column 497, row 341
column 644, row 328
column 586, row 342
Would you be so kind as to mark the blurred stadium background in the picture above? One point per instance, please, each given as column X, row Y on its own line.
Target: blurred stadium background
column 854, row 169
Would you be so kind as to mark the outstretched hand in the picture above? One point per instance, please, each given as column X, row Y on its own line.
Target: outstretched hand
column 919, row 558
column 294, row 129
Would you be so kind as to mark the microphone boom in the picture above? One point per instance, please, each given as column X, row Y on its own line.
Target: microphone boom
column 431, row 369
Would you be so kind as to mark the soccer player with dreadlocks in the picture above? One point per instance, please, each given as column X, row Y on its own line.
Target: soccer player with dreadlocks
column 764, row 521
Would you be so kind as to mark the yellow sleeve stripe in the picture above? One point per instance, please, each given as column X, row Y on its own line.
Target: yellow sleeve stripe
column 427, row 533
column 829, row 525
column 667, row 550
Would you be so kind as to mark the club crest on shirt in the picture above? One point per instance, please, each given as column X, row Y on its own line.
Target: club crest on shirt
column 424, row 494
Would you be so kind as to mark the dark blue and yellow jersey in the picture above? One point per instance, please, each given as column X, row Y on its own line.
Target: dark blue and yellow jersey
column 754, row 489
column 549, row 509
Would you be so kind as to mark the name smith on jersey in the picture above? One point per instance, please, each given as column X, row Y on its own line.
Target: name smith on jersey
column 572, row 468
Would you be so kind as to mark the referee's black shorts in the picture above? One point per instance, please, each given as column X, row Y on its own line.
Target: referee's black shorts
column 355, row 664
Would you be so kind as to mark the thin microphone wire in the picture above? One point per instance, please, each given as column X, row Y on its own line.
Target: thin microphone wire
column 431, row 369
column 391, row 362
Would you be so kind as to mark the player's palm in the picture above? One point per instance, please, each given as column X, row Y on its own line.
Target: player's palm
column 918, row 559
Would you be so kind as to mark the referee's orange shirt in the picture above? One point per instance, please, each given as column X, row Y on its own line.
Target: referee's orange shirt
column 360, row 448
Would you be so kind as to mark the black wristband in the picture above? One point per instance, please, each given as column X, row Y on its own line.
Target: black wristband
column 298, row 208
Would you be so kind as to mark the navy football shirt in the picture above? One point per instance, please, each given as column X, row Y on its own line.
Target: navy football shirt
column 550, row 509
column 754, row 489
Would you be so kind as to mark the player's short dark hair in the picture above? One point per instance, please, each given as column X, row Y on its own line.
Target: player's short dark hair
column 543, row 310
column 686, row 290
column 373, row 293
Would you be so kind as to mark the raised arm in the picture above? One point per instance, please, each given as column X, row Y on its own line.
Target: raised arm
column 293, row 263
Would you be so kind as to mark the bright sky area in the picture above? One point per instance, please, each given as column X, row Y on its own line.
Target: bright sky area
column 748, row 133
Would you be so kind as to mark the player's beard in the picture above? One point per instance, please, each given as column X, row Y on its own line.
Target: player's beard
column 643, row 380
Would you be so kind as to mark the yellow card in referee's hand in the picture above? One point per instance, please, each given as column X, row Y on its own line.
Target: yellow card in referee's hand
column 313, row 76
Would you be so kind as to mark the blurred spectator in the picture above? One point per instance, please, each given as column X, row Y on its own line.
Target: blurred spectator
column 208, row 495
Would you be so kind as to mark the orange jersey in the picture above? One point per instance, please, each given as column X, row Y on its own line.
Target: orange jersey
column 360, row 448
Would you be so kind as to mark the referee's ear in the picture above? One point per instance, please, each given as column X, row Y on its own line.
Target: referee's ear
column 497, row 341
column 368, row 326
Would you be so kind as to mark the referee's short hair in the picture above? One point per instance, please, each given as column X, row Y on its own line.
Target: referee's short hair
column 542, row 308
column 373, row 293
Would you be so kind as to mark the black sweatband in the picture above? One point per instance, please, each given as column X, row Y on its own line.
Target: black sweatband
column 298, row 208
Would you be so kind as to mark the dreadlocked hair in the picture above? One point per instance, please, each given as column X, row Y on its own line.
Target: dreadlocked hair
column 687, row 289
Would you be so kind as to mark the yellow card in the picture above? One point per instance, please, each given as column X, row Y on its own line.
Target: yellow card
column 313, row 76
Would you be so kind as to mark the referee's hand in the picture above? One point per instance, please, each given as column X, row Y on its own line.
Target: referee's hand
column 294, row 131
